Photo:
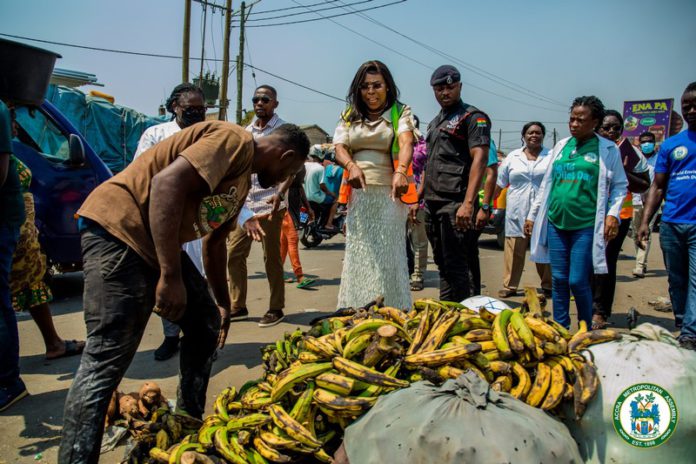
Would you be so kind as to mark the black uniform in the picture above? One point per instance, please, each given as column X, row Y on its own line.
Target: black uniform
column 450, row 137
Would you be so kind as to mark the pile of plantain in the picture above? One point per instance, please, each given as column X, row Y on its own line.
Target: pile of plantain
column 317, row 383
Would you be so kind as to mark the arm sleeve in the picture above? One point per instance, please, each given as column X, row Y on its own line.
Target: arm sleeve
column 504, row 173
column 244, row 215
column 147, row 140
column 341, row 135
column 618, row 183
column 492, row 154
column 478, row 129
column 406, row 122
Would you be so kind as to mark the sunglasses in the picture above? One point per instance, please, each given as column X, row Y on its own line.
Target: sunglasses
column 262, row 98
column 373, row 86
column 608, row 127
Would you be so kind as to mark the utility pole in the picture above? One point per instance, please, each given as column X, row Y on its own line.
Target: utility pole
column 500, row 138
column 554, row 137
column 222, row 115
column 240, row 62
column 187, row 39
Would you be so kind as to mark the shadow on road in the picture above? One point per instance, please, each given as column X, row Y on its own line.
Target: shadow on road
column 42, row 421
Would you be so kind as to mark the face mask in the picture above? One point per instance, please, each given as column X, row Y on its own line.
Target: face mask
column 191, row 116
column 647, row 148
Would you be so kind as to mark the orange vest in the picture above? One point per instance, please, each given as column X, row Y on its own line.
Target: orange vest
column 411, row 195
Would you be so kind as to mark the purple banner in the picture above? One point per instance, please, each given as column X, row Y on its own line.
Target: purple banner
column 647, row 115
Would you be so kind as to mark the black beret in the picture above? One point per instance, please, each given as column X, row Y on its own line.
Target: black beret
column 445, row 74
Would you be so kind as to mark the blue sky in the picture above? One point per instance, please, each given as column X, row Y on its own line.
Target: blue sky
column 617, row 50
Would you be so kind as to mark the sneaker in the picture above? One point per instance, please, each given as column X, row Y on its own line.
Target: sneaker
column 167, row 349
column 687, row 343
column 239, row 314
column 639, row 273
column 271, row 318
column 10, row 395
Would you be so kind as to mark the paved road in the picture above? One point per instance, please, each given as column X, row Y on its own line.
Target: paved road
column 33, row 426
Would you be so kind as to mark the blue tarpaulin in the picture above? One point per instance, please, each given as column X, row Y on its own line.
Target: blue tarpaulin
column 111, row 130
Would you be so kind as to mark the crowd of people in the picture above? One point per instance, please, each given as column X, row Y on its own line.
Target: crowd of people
column 172, row 233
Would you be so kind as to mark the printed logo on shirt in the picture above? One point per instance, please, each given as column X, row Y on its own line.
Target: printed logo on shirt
column 680, row 152
column 481, row 122
column 452, row 124
column 591, row 157
column 215, row 210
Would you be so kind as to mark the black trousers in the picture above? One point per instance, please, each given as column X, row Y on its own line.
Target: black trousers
column 604, row 285
column 455, row 252
column 119, row 295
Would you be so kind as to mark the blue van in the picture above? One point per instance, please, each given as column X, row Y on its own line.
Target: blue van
column 65, row 170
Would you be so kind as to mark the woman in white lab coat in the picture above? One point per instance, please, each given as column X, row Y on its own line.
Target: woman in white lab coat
column 521, row 172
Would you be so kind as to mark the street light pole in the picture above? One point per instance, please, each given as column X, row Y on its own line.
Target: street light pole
column 222, row 116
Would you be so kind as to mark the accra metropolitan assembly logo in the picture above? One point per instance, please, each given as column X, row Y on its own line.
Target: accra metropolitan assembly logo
column 645, row 415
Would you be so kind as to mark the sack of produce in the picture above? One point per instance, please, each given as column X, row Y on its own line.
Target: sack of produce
column 464, row 420
column 646, row 398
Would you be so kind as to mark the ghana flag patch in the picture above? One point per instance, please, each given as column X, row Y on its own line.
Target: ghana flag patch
column 481, row 122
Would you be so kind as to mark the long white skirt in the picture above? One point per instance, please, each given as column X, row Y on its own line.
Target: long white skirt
column 375, row 259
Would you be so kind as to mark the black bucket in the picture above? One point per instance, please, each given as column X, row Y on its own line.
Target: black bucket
column 25, row 72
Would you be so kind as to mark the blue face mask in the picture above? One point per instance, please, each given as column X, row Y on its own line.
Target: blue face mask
column 647, row 148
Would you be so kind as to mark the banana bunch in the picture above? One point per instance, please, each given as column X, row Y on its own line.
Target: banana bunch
column 316, row 383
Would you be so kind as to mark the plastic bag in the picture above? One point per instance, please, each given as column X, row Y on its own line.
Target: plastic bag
column 463, row 421
column 645, row 409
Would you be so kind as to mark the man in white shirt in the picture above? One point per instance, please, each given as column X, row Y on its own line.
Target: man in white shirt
column 314, row 175
column 264, row 209
column 187, row 106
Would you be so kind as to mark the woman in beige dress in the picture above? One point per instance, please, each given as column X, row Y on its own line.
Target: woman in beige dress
column 374, row 142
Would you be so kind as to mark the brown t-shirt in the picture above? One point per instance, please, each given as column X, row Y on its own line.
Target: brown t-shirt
column 221, row 153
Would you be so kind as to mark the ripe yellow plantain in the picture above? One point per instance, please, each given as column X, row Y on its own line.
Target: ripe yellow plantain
column 291, row 427
column 500, row 339
column 366, row 374
column 585, row 339
column 542, row 330
column 502, row 383
column 479, row 335
column 357, row 345
column 558, row 383
column 295, row 374
column 524, row 382
column 269, row 453
column 336, row 383
column 542, row 382
column 515, row 342
column 443, row 356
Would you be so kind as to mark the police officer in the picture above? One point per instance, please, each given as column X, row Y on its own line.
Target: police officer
column 458, row 143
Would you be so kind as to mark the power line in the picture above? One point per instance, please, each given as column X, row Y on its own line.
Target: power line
column 410, row 58
column 160, row 55
column 469, row 66
column 307, row 12
column 327, row 17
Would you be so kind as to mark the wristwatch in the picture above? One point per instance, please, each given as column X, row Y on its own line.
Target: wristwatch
column 486, row 207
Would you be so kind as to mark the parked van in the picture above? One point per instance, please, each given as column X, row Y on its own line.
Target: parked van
column 65, row 170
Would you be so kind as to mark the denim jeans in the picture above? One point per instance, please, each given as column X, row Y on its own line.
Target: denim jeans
column 118, row 298
column 571, row 269
column 9, row 335
column 678, row 242
column 455, row 252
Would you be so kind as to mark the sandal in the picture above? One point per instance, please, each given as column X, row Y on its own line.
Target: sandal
column 72, row 348
column 306, row 282
column 417, row 285
column 598, row 323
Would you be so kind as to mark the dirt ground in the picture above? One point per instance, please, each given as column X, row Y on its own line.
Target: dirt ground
column 31, row 429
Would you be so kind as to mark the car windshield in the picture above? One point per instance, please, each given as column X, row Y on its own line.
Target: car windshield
column 39, row 131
